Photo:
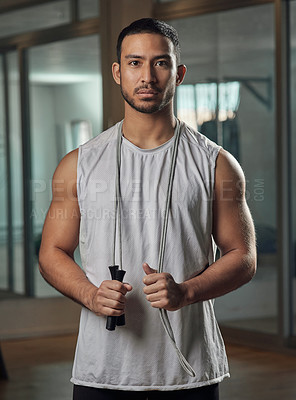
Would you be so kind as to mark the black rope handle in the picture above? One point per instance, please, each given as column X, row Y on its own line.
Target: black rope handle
column 116, row 274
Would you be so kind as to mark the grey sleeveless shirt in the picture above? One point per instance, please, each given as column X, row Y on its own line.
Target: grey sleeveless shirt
column 139, row 355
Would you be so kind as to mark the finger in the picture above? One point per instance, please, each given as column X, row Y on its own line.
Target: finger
column 151, row 279
column 161, row 278
column 111, row 294
column 114, row 304
column 108, row 311
column 148, row 270
column 153, row 288
column 157, row 304
column 127, row 286
column 154, row 297
column 117, row 297
column 118, row 286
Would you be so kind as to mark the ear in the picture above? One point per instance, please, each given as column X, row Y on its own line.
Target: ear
column 181, row 71
column 116, row 72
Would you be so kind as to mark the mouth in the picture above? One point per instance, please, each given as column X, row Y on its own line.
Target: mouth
column 147, row 93
column 147, row 90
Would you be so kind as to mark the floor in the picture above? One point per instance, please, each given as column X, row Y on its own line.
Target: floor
column 40, row 369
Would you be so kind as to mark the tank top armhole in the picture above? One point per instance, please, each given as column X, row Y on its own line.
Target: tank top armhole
column 78, row 179
column 213, row 164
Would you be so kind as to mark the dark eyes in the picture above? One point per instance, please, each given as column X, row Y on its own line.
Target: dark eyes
column 160, row 63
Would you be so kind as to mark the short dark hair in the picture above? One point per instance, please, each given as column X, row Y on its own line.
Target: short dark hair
column 150, row 25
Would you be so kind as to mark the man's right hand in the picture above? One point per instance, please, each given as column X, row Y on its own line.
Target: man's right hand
column 109, row 299
column 60, row 238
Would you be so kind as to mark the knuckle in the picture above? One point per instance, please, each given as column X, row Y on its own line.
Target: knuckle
column 116, row 285
column 99, row 291
column 118, row 296
column 116, row 304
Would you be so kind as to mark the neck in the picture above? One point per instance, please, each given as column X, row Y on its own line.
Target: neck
column 148, row 131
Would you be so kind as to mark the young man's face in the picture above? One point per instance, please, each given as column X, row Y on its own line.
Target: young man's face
column 148, row 73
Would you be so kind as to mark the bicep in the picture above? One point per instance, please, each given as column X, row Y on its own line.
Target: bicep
column 233, row 226
column 61, row 226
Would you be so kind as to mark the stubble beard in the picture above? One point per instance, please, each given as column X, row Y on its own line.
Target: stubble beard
column 145, row 107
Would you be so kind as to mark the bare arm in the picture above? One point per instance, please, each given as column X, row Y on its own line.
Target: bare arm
column 234, row 233
column 60, row 238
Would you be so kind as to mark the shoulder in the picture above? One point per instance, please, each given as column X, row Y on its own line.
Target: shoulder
column 229, row 177
column 65, row 175
column 67, row 166
column 228, row 167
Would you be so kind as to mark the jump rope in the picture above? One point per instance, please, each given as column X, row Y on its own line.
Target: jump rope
column 117, row 273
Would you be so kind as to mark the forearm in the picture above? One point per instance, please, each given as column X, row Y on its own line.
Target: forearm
column 231, row 271
column 61, row 271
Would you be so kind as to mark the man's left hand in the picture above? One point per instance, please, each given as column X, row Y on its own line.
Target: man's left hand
column 162, row 291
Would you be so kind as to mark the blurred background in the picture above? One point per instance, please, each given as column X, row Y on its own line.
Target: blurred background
column 57, row 91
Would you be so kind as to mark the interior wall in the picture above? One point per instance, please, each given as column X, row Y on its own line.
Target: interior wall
column 79, row 101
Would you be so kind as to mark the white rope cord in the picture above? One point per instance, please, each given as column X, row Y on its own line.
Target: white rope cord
column 168, row 198
column 118, row 200
column 162, row 313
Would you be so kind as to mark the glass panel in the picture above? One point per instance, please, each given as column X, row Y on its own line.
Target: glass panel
column 293, row 140
column 3, row 192
column 16, row 173
column 33, row 18
column 228, row 95
column 66, row 110
column 89, row 9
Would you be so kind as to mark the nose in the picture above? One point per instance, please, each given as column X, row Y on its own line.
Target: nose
column 148, row 73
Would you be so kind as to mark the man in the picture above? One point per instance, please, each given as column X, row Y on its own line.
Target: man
column 134, row 168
